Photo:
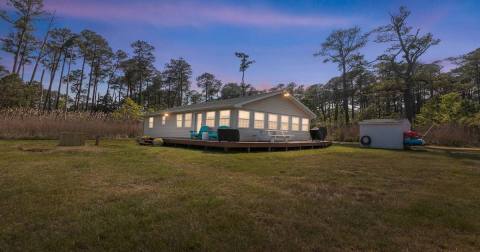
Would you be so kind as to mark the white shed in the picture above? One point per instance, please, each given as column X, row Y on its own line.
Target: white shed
column 383, row 133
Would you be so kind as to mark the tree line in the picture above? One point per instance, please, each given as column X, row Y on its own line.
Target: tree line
column 81, row 72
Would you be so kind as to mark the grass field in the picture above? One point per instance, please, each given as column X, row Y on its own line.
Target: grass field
column 125, row 197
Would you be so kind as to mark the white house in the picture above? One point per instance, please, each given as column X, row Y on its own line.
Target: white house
column 252, row 115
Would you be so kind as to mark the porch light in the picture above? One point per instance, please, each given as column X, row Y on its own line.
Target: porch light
column 166, row 114
column 286, row 94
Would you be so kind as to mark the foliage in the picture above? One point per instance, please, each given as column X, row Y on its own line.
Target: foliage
column 129, row 110
column 245, row 63
column 231, row 90
column 209, row 85
column 406, row 48
column 13, row 93
column 448, row 109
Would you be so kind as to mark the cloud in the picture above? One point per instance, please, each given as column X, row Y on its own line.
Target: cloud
column 187, row 14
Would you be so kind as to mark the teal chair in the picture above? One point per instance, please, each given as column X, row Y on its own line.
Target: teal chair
column 212, row 135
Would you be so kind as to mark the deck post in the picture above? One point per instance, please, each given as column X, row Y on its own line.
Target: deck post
column 225, row 149
column 269, row 149
column 248, row 149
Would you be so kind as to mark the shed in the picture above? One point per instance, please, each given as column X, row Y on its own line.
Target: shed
column 383, row 133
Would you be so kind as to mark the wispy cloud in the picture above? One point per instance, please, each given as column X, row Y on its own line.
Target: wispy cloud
column 187, row 14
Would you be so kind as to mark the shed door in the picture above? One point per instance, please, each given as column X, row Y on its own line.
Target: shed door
column 198, row 122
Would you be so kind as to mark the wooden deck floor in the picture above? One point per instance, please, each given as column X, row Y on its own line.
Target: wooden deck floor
column 248, row 146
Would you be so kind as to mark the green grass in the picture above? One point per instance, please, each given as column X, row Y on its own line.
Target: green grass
column 124, row 197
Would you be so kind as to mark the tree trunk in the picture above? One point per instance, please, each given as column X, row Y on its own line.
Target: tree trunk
column 18, row 48
column 408, row 100
column 68, row 82
column 77, row 102
column 94, row 95
column 244, row 91
column 40, row 54
column 477, row 79
column 41, row 89
column 52, row 77
column 60, row 82
column 345, row 93
column 90, row 76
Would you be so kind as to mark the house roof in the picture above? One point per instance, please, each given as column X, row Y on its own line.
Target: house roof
column 231, row 103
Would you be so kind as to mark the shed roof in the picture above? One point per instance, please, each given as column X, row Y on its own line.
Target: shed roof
column 232, row 103
column 384, row 121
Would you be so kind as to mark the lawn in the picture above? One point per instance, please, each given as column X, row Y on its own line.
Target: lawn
column 122, row 197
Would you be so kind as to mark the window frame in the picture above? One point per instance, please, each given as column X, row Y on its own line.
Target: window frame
column 210, row 119
column 255, row 120
column 198, row 121
column 307, row 128
column 240, row 119
column 179, row 120
column 270, row 121
column 151, row 122
column 189, row 121
column 224, row 118
column 297, row 128
column 282, row 122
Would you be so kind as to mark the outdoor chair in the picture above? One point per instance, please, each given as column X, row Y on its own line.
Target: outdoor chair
column 212, row 135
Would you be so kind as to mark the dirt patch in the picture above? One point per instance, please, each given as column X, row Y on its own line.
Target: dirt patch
column 35, row 149
column 79, row 149
column 53, row 149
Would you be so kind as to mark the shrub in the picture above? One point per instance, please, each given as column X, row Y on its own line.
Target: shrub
column 129, row 110
column 158, row 142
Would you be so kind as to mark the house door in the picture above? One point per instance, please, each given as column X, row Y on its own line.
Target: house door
column 198, row 122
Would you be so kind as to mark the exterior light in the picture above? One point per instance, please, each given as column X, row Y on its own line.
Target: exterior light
column 286, row 94
column 166, row 114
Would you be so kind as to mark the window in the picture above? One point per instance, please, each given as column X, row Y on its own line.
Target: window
column 284, row 122
column 179, row 120
column 295, row 123
column 305, row 123
column 243, row 119
column 272, row 121
column 199, row 121
column 224, row 118
column 150, row 122
column 164, row 119
column 259, row 119
column 188, row 120
column 210, row 120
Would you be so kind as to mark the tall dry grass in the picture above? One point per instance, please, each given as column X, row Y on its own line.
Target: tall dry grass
column 343, row 133
column 20, row 123
column 451, row 135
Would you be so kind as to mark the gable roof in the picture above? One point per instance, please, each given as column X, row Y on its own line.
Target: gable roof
column 238, row 102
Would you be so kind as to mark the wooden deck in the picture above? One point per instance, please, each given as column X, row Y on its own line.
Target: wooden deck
column 248, row 146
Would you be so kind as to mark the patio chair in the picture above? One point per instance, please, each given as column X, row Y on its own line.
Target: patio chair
column 212, row 135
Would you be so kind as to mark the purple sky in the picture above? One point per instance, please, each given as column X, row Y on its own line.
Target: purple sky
column 280, row 35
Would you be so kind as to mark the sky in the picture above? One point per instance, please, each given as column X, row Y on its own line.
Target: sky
column 281, row 36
